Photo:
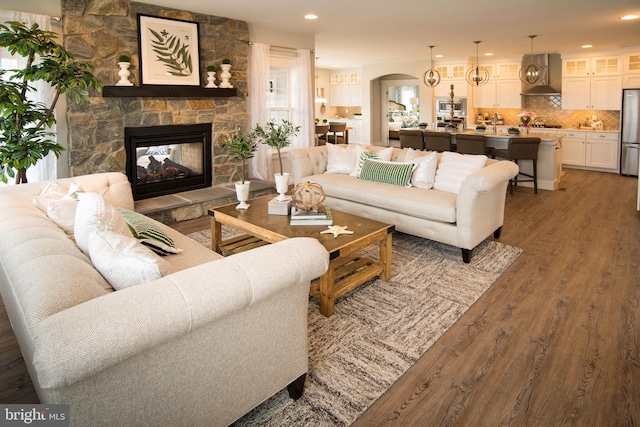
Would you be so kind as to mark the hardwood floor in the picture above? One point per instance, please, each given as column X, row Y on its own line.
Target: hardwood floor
column 555, row 341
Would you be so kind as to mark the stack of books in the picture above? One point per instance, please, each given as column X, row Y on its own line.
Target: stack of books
column 320, row 216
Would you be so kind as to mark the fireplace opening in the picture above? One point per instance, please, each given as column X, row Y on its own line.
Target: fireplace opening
column 168, row 159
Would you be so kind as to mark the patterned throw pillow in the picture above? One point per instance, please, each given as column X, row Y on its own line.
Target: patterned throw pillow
column 148, row 234
column 364, row 152
column 395, row 173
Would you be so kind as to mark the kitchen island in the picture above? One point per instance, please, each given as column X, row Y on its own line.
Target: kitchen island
column 549, row 156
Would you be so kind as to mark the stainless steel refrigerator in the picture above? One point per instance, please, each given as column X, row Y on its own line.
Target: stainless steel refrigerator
column 630, row 132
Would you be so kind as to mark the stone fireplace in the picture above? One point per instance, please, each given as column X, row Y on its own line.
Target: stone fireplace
column 98, row 32
column 168, row 159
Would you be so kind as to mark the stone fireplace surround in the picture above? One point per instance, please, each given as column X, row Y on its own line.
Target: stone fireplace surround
column 101, row 30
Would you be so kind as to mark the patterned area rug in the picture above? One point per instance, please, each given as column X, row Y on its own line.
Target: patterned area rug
column 380, row 329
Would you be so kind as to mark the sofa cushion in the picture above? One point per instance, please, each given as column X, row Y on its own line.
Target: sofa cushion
column 341, row 158
column 428, row 204
column 143, row 229
column 94, row 212
column 424, row 173
column 368, row 152
column 454, row 168
column 395, row 173
column 123, row 260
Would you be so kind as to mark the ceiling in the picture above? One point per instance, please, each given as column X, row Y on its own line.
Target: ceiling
column 356, row 32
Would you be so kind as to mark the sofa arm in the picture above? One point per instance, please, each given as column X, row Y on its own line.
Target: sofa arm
column 94, row 336
column 307, row 161
column 480, row 203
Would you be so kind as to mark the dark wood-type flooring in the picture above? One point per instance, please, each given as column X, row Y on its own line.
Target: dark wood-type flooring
column 555, row 341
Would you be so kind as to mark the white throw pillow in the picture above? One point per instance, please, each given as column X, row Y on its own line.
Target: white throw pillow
column 63, row 213
column 341, row 158
column 123, row 261
column 454, row 168
column 94, row 212
column 424, row 174
column 363, row 152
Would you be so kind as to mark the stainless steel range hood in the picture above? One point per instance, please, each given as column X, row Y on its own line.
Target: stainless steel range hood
column 550, row 81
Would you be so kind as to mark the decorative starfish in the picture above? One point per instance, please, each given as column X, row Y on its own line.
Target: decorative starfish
column 336, row 230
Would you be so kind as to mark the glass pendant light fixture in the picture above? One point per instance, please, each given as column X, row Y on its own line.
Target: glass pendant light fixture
column 531, row 73
column 477, row 76
column 431, row 77
column 319, row 99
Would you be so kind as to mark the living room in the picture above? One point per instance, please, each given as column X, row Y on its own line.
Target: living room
column 555, row 337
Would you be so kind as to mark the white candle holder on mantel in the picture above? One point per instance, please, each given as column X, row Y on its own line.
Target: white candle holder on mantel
column 124, row 74
column 211, row 79
column 225, row 75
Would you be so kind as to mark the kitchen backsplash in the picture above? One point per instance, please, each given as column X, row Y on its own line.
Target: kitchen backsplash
column 548, row 108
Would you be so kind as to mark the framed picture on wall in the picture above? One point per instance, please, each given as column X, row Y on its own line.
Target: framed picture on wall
column 169, row 51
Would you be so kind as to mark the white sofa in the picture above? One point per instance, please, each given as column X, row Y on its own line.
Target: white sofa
column 200, row 346
column 463, row 220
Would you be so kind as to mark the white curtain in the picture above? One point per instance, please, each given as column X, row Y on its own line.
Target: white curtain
column 302, row 100
column 258, row 86
column 45, row 169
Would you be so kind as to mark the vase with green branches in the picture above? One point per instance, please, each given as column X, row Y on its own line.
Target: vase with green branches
column 241, row 146
column 26, row 125
column 277, row 136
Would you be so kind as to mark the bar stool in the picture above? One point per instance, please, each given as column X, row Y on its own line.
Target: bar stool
column 339, row 130
column 521, row 149
column 437, row 141
column 472, row 144
column 321, row 133
column 411, row 138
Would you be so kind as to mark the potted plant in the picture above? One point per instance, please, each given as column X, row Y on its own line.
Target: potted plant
column 513, row 131
column 241, row 147
column 124, row 58
column 277, row 136
column 225, row 75
column 25, row 125
column 481, row 128
column 423, row 125
column 124, row 62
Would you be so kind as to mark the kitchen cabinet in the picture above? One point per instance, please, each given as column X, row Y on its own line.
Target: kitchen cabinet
column 592, row 83
column 503, row 88
column 452, row 74
column 592, row 93
column 346, row 89
column 631, row 70
column 590, row 150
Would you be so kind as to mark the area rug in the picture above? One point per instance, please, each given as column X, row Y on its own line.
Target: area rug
column 380, row 329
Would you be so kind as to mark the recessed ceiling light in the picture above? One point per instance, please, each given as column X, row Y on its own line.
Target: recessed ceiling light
column 310, row 16
column 488, row 54
column 439, row 56
column 629, row 17
column 586, row 46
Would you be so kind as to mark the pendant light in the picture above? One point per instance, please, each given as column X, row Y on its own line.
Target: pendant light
column 477, row 76
column 531, row 73
column 319, row 99
column 431, row 77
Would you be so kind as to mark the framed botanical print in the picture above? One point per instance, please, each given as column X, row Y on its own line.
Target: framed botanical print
column 169, row 51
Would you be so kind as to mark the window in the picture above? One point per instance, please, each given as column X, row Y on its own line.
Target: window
column 279, row 98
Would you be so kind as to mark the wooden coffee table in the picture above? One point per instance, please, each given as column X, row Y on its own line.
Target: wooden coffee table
column 347, row 270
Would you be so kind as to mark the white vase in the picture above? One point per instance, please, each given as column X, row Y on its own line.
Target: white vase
column 225, row 75
column 124, row 74
column 211, row 79
column 242, row 193
column 282, row 186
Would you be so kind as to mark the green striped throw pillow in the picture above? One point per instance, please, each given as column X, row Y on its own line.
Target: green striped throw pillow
column 148, row 234
column 395, row 173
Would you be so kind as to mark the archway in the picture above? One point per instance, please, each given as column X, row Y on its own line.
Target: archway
column 394, row 105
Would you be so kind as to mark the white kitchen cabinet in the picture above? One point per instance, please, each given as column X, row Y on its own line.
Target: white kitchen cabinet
column 452, row 74
column 593, row 66
column 631, row 70
column 346, row 89
column 592, row 93
column 591, row 150
column 503, row 88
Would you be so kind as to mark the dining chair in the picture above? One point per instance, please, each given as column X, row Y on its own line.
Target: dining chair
column 339, row 131
column 321, row 134
column 472, row 144
column 437, row 141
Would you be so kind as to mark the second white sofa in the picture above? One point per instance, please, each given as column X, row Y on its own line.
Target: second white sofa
column 462, row 219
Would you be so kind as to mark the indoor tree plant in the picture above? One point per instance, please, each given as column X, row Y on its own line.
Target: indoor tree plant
column 241, row 147
column 277, row 136
column 25, row 125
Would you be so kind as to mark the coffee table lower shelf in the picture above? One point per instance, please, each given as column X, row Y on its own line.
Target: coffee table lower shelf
column 347, row 273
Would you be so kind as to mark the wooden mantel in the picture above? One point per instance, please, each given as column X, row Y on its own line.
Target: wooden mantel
column 166, row 91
